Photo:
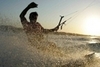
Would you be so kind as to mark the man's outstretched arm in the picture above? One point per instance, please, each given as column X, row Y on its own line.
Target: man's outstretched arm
column 23, row 13
column 51, row 30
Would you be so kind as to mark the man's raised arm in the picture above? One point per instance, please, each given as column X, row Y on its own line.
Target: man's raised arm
column 23, row 13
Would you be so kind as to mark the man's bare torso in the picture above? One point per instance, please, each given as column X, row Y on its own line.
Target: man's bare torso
column 32, row 28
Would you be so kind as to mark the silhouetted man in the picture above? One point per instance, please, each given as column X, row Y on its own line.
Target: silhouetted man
column 33, row 26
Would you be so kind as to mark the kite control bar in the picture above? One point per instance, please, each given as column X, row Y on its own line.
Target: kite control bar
column 60, row 21
column 61, row 24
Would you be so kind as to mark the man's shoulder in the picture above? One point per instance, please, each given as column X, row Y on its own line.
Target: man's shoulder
column 38, row 23
column 25, row 22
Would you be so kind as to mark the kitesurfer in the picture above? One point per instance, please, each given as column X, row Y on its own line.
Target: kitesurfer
column 33, row 26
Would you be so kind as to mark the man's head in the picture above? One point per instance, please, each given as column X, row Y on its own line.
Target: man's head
column 33, row 16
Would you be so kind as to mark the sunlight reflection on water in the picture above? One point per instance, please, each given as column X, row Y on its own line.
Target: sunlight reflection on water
column 95, row 42
column 94, row 39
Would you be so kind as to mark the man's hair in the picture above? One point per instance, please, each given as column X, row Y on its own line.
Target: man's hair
column 33, row 15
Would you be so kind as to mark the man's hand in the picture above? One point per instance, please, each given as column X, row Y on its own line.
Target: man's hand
column 32, row 5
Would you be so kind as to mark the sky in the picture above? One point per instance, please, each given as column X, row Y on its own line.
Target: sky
column 84, row 14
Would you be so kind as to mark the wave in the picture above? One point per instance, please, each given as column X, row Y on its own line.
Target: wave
column 94, row 47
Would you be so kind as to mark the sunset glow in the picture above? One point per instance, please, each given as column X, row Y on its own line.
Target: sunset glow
column 92, row 25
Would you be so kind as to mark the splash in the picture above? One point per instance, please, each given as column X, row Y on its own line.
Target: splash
column 55, row 50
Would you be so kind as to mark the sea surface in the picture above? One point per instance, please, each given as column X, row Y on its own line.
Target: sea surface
column 54, row 50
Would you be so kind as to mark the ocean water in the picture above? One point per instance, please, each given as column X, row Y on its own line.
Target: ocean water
column 54, row 50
